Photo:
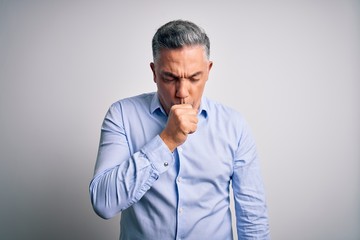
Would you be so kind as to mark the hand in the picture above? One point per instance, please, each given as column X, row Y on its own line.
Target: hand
column 182, row 121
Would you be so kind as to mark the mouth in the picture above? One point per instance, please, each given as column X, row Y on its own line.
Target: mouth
column 182, row 102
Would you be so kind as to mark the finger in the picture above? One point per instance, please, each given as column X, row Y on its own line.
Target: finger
column 192, row 129
column 193, row 119
column 179, row 111
column 181, row 106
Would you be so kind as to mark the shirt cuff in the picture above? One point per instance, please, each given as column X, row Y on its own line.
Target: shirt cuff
column 158, row 154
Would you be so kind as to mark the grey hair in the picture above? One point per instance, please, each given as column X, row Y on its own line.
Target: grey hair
column 177, row 34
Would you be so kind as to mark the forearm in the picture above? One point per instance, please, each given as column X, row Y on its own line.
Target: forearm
column 118, row 188
column 115, row 189
column 250, row 203
column 252, row 220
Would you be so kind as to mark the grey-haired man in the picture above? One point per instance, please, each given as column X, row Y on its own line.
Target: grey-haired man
column 167, row 159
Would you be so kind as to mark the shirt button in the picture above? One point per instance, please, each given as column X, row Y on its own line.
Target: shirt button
column 180, row 210
column 166, row 164
column 179, row 179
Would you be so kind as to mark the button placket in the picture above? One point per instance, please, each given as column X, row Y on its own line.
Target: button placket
column 180, row 149
column 179, row 183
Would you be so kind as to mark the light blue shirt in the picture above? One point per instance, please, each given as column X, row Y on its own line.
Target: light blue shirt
column 181, row 195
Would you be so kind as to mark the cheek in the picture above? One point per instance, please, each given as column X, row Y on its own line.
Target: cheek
column 199, row 89
column 164, row 89
column 166, row 92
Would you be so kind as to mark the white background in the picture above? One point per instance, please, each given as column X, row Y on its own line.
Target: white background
column 291, row 67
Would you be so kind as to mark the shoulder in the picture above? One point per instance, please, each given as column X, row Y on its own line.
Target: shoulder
column 142, row 99
column 225, row 118
column 217, row 109
column 228, row 123
column 138, row 102
column 131, row 105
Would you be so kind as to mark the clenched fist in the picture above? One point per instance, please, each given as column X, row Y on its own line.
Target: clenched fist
column 182, row 121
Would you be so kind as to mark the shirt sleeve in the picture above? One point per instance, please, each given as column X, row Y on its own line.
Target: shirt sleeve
column 250, row 205
column 121, row 179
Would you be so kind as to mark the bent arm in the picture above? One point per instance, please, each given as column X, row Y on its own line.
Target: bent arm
column 120, row 178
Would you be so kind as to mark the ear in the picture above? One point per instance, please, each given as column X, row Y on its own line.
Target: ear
column 210, row 65
column 152, row 66
column 209, row 68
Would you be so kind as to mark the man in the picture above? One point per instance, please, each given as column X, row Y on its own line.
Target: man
column 166, row 159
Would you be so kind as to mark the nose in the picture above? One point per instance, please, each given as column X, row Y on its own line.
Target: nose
column 182, row 89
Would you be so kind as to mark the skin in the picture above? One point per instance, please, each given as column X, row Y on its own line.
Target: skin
column 180, row 76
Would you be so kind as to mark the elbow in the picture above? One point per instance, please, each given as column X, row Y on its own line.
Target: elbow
column 103, row 212
column 99, row 203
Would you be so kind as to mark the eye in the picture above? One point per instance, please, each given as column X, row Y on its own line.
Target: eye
column 194, row 79
column 169, row 79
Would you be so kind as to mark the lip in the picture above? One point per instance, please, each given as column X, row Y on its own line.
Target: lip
column 182, row 102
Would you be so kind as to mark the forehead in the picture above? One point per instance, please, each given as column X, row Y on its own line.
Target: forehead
column 188, row 57
column 187, row 53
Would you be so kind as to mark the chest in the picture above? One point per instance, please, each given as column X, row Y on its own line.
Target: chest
column 208, row 152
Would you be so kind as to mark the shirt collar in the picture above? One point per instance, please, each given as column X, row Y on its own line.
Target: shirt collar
column 155, row 105
column 204, row 107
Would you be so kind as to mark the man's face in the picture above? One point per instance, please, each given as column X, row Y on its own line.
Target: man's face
column 180, row 76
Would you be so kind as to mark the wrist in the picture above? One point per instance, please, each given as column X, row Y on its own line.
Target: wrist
column 168, row 142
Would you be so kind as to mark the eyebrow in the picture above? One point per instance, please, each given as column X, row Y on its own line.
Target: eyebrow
column 170, row 74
